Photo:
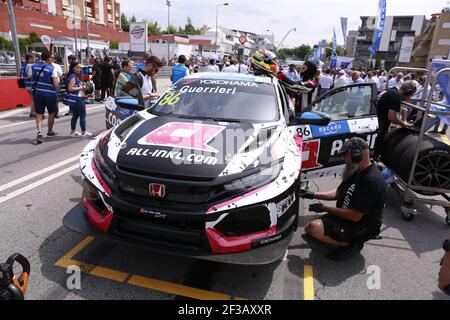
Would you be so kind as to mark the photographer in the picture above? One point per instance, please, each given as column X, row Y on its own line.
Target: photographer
column 360, row 199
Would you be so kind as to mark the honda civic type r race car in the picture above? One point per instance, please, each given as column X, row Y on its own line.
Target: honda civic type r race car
column 211, row 171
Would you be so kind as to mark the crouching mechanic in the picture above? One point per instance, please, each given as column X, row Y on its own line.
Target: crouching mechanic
column 360, row 200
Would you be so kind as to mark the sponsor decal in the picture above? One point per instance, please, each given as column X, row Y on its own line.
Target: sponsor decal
column 284, row 205
column 334, row 128
column 338, row 144
column 229, row 83
column 157, row 215
column 157, row 190
column 175, row 156
column 209, row 90
column 310, row 155
column 137, row 32
column 194, row 136
column 270, row 240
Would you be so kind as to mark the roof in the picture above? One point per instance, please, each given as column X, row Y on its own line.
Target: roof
column 230, row 77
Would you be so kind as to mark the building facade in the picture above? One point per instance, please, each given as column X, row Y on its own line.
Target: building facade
column 55, row 19
column 396, row 28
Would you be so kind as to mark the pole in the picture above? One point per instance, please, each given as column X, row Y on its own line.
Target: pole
column 279, row 45
column 217, row 25
column 168, row 33
column 75, row 30
column 12, row 23
column 88, row 56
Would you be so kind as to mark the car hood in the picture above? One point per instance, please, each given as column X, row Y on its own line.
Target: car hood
column 185, row 148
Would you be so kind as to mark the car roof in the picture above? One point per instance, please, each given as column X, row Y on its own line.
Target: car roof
column 232, row 77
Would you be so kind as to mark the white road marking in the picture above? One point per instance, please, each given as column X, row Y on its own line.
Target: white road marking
column 36, row 184
column 34, row 122
column 38, row 173
column 286, row 255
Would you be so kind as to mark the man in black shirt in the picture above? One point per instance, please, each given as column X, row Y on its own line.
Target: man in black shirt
column 360, row 200
column 389, row 109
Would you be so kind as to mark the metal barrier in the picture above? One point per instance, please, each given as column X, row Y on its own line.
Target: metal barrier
column 7, row 70
column 409, row 199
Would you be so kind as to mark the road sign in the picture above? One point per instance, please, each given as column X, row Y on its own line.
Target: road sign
column 242, row 39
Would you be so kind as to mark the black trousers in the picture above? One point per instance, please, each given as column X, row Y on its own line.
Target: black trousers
column 382, row 132
column 106, row 90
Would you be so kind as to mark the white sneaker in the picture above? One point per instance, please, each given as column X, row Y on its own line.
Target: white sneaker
column 86, row 134
column 75, row 134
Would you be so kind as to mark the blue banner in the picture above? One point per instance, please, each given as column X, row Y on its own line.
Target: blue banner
column 380, row 27
column 334, row 43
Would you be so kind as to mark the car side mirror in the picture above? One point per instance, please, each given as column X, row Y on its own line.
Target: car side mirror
column 129, row 103
column 313, row 119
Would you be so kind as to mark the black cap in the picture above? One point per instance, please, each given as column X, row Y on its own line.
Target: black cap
column 353, row 143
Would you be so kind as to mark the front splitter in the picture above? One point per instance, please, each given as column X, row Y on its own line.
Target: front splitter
column 77, row 221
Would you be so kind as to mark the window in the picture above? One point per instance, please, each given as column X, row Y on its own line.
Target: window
column 220, row 99
column 347, row 103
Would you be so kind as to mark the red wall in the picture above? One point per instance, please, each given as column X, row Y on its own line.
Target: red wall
column 12, row 95
column 25, row 17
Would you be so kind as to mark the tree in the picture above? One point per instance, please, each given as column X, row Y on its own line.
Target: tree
column 302, row 52
column 189, row 27
column 124, row 23
column 329, row 51
column 154, row 28
column 133, row 19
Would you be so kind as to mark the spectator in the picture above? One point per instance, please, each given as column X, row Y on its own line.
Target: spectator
column 74, row 98
column 27, row 74
column 97, row 79
column 325, row 82
column 292, row 74
column 242, row 68
column 212, row 67
column 382, row 79
column 45, row 83
column 396, row 82
column 107, row 78
column 56, row 60
column 371, row 78
column 151, row 68
column 179, row 71
column 341, row 79
column 231, row 67
column 124, row 78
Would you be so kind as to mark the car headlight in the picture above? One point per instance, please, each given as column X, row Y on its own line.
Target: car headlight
column 256, row 180
column 100, row 162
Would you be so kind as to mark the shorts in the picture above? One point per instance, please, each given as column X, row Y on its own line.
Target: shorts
column 339, row 229
column 41, row 102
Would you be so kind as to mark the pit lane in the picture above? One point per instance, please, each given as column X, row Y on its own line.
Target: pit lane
column 47, row 185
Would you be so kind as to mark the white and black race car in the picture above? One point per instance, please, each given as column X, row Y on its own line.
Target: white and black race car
column 213, row 169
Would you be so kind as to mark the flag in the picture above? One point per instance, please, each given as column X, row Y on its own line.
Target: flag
column 379, row 28
column 334, row 43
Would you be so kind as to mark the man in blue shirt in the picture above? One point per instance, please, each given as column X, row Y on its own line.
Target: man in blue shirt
column 179, row 71
column 45, row 83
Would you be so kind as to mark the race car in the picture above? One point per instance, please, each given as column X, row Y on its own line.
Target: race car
column 212, row 170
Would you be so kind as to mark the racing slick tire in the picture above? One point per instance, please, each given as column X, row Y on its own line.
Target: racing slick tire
column 433, row 165
column 433, row 162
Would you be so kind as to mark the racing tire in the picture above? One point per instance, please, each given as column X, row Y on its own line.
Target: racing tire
column 432, row 168
column 447, row 219
column 392, row 139
column 396, row 159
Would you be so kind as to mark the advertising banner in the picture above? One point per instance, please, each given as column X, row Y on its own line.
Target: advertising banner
column 138, row 37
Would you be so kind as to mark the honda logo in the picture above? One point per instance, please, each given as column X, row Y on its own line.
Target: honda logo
column 157, row 190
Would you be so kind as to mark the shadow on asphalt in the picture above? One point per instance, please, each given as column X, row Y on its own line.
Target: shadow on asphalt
column 251, row 282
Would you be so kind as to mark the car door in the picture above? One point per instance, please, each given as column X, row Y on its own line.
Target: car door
column 126, row 86
column 352, row 109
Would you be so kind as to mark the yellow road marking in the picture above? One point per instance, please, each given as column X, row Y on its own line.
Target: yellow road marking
column 308, row 283
column 176, row 289
column 148, row 283
column 63, row 262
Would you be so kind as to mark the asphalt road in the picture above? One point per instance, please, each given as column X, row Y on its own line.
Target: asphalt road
column 40, row 184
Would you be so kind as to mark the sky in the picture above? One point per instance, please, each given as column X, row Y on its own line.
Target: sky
column 314, row 19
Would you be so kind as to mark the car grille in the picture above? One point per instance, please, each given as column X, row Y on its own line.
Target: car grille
column 180, row 231
column 186, row 192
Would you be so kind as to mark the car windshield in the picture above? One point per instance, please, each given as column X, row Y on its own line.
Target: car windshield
column 222, row 100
